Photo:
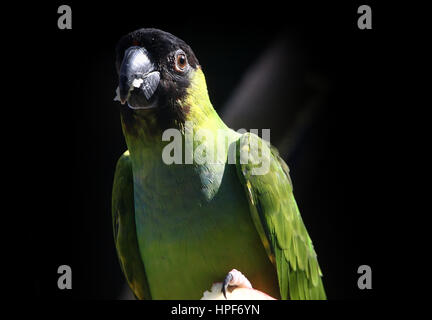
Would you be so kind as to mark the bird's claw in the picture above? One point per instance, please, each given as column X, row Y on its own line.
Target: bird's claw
column 235, row 278
column 226, row 283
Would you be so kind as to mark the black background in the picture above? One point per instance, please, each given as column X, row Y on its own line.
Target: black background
column 69, row 136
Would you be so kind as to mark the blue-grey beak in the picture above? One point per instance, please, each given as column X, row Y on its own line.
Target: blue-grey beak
column 137, row 72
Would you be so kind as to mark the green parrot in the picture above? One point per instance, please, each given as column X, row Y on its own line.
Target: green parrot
column 181, row 226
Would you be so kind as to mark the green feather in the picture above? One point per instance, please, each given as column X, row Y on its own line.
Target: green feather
column 125, row 237
column 273, row 200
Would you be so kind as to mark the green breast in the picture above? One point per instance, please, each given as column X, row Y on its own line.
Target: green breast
column 193, row 227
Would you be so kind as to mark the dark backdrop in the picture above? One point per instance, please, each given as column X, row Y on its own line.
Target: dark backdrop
column 330, row 107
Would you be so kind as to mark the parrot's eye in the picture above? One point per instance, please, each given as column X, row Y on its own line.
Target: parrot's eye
column 180, row 61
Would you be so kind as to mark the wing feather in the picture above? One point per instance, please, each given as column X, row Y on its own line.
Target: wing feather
column 276, row 216
column 125, row 237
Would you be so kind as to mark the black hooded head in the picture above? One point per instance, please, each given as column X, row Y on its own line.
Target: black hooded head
column 154, row 72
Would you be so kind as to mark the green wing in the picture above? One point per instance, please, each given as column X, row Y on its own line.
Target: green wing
column 123, row 218
column 277, row 219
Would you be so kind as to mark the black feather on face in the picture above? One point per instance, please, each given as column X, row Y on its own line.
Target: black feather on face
column 169, row 56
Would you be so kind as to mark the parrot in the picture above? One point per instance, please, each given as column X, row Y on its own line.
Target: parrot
column 180, row 226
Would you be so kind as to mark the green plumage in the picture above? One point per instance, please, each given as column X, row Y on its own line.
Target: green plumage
column 179, row 228
column 277, row 219
column 125, row 230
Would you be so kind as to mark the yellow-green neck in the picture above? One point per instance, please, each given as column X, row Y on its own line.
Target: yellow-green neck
column 144, row 131
column 201, row 111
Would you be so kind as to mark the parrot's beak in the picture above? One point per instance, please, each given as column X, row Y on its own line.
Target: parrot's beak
column 138, row 79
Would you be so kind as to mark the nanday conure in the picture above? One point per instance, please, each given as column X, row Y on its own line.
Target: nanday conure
column 180, row 227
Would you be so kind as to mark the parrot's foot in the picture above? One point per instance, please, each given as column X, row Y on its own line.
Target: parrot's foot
column 235, row 278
